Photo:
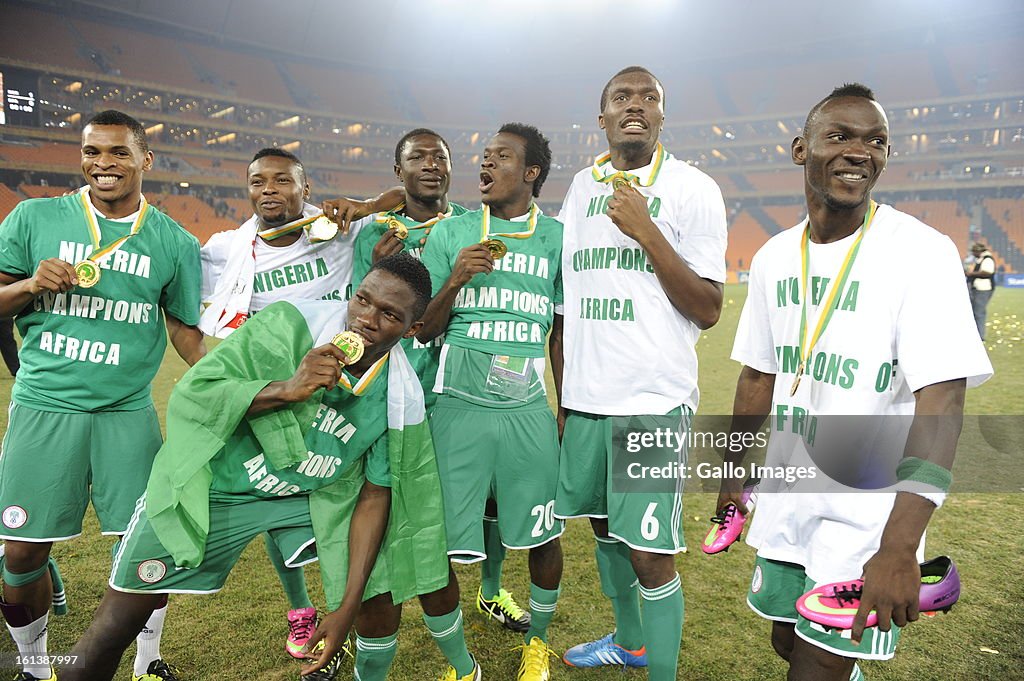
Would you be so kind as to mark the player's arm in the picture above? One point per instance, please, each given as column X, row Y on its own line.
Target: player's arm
column 365, row 535
column 345, row 211
column 53, row 275
column 892, row 577
column 696, row 298
column 471, row 261
column 320, row 368
column 751, row 406
column 557, row 363
column 187, row 340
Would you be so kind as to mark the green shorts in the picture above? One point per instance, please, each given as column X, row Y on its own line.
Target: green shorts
column 143, row 565
column 644, row 520
column 52, row 463
column 774, row 590
column 509, row 455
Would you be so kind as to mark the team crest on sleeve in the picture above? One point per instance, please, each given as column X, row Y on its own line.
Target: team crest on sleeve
column 758, row 581
column 14, row 517
column 152, row 571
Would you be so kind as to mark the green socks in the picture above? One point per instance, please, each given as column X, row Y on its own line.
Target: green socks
column 374, row 656
column 451, row 639
column 663, row 628
column 292, row 579
column 618, row 582
column 857, row 674
column 542, row 609
column 490, row 568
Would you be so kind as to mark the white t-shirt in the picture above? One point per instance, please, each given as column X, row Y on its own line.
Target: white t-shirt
column 894, row 331
column 628, row 351
column 299, row 271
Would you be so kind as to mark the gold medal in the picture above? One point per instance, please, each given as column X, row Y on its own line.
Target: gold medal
column 620, row 182
column 322, row 229
column 796, row 379
column 88, row 273
column 401, row 231
column 497, row 248
column 350, row 343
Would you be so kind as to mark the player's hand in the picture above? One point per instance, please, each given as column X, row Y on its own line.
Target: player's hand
column 471, row 261
column 344, row 211
column 388, row 244
column 892, row 588
column 333, row 631
column 320, row 368
column 52, row 275
column 731, row 492
column 560, row 419
column 627, row 208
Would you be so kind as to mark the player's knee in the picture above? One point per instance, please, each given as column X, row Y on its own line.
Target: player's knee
column 782, row 639
column 652, row 569
column 21, row 556
column 378, row 617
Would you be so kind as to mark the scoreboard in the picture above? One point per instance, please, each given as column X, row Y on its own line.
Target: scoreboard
column 20, row 102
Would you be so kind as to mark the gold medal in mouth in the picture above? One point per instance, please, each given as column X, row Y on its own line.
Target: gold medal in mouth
column 497, row 248
column 88, row 273
column 350, row 343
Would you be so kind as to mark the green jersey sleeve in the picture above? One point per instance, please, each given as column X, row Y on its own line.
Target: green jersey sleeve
column 378, row 466
column 182, row 296
column 13, row 244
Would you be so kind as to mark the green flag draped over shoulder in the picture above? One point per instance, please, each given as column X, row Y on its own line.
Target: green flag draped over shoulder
column 210, row 402
column 413, row 558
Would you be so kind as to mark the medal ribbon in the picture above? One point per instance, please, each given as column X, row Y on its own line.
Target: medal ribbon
column 837, row 286
column 394, row 213
column 531, row 224
column 99, row 252
column 272, row 233
column 361, row 386
column 603, row 163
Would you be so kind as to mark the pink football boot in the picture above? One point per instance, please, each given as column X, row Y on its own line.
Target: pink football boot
column 835, row 605
column 728, row 525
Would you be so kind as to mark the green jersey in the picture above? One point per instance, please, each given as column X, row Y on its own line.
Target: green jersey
column 346, row 427
column 510, row 310
column 97, row 349
column 423, row 357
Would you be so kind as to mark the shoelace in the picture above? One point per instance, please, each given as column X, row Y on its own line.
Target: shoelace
column 302, row 628
column 535, row 656
column 726, row 514
column 505, row 602
column 848, row 593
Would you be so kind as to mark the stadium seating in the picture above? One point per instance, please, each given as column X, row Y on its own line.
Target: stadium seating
column 8, row 200
column 946, row 216
column 746, row 236
column 20, row 33
column 1009, row 214
column 34, row 191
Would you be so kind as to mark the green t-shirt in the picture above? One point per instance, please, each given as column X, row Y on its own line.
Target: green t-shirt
column 97, row 349
column 345, row 428
column 422, row 357
column 510, row 310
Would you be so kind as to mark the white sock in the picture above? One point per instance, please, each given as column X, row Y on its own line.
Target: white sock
column 148, row 641
column 856, row 674
column 31, row 640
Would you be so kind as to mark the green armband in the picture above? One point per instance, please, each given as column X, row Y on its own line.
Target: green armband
column 923, row 478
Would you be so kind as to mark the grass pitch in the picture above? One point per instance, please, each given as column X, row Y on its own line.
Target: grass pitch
column 239, row 633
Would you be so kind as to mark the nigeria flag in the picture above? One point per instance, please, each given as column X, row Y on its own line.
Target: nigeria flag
column 211, row 401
